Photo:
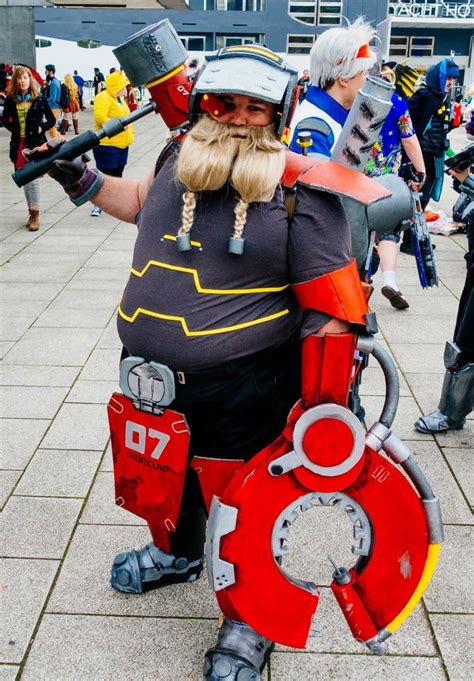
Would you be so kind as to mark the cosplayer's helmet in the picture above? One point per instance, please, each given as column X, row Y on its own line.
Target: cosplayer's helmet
column 252, row 70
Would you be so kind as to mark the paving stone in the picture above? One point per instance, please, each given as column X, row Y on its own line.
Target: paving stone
column 66, row 647
column 15, row 328
column 5, row 347
column 114, row 243
column 72, row 300
column 25, row 586
column 37, row 291
column 11, row 272
column 8, row 672
column 414, row 330
column 94, row 274
column 446, row 305
column 102, row 365
column 74, row 318
column 426, row 389
column 450, row 590
column 97, row 287
column 101, row 508
column 420, row 358
column 454, row 634
column 93, row 392
column 54, row 347
column 457, row 438
column 11, row 374
column 112, row 259
column 78, row 426
column 453, row 505
column 8, row 480
column 53, row 473
column 460, row 461
column 18, row 440
column 38, row 528
column 83, row 585
column 297, row 666
column 33, row 256
column 21, row 308
column 70, row 241
column 28, row 402
column 110, row 338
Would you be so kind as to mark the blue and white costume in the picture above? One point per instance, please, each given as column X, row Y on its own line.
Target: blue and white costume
column 323, row 117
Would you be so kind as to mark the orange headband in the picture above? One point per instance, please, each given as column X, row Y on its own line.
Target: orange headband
column 363, row 52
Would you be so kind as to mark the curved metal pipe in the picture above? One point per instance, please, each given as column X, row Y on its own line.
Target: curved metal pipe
column 392, row 384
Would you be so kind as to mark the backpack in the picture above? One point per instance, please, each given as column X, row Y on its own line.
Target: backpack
column 64, row 98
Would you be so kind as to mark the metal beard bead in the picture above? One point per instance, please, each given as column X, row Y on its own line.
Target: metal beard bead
column 236, row 246
column 183, row 242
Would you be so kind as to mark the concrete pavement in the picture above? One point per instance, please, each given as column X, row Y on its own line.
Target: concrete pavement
column 59, row 288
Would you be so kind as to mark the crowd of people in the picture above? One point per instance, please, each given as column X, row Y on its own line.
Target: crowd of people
column 215, row 207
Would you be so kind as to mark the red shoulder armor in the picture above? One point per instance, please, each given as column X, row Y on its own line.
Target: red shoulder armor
column 337, row 179
column 328, row 176
column 295, row 165
column 339, row 294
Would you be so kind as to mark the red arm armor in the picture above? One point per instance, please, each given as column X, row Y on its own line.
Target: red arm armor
column 338, row 294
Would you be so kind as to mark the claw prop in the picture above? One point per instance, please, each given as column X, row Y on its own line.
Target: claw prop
column 325, row 457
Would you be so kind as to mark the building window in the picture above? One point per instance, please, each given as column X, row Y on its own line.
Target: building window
column 399, row 45
column 421, row 46
column 299, row 44
column 316, row 12
column 330, row 13
column 238, row 5
column 89, row 44
column 228, row 40
column 193, row 43
column 42, row 42
column 304, row 10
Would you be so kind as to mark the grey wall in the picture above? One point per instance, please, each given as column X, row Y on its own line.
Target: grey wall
column 17, row 35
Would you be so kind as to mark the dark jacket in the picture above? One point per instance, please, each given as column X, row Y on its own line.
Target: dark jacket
column 429, row 113
column 39, row 119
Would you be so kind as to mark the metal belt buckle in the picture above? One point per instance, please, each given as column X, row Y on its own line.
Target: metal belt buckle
column 150, row 385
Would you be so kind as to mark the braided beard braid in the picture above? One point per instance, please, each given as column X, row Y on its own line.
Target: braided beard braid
column 250, row 157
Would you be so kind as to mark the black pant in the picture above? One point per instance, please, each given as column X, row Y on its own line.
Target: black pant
column 232, row 416
column 114, row 172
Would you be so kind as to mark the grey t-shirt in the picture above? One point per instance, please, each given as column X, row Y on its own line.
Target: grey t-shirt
column 198, row 309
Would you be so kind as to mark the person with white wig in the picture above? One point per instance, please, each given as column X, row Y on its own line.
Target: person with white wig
column 339, row 64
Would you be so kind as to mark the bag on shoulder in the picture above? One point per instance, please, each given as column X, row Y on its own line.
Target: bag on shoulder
column 64, row 98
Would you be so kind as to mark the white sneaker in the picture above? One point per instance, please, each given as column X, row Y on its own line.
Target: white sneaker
column 96, row 212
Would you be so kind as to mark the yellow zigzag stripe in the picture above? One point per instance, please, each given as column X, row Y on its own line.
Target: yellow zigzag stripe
column 211, row 332
column 197, row 283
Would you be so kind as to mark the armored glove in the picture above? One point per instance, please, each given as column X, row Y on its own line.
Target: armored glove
column 80, row 182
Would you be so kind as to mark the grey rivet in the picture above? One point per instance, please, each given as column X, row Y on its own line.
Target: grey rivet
column 123, row 577
column 222, row 667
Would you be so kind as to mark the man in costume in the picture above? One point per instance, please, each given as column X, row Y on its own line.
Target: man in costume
column 340, row 60
column 457, row 395
column 228, row 276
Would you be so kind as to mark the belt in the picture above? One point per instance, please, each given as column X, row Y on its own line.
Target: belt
column 228, row 370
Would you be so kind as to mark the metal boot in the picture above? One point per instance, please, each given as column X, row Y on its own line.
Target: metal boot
column 149, row 568
column 457, row 398
column 240, row 654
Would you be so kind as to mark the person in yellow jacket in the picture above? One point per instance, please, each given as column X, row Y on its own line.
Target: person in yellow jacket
column 112, row 154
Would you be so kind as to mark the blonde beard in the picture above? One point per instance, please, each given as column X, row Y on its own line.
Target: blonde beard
column 249, row 157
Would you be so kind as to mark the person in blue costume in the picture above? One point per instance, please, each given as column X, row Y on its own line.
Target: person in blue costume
column 429, row 112
column 339, row 64
column 397, row 135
